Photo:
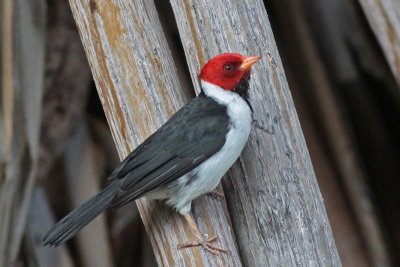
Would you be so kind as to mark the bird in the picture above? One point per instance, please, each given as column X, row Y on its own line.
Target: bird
column 185, row 158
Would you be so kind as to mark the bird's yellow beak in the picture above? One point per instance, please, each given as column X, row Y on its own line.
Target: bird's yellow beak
column 248, row 62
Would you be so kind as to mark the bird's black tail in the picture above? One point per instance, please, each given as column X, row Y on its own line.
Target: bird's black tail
column 79, row 217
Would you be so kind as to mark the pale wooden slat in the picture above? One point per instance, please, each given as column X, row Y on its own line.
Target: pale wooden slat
column 384, row 18
column 138, row 86
column 29, row 35
column 7, row 82
column 274, row 200
column 23, row 31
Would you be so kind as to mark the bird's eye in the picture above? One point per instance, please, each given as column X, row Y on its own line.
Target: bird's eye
column 228, row 67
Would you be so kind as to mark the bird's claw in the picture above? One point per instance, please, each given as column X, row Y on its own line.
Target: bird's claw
column 217, row 195
column 206, row 244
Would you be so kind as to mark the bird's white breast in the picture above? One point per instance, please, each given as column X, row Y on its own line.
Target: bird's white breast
column 210, row 172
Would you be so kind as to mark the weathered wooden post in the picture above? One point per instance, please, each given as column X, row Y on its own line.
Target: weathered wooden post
column 274, row 200
column 139, row 89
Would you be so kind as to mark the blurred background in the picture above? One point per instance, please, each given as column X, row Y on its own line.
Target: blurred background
column 56, row 156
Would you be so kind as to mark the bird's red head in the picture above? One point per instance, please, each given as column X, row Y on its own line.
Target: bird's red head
column 226, row 70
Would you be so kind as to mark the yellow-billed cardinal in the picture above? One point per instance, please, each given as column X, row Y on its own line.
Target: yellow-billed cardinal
column 186, row 157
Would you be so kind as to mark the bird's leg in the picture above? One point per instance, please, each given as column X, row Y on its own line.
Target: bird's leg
column 216, row 194
column 205, row 242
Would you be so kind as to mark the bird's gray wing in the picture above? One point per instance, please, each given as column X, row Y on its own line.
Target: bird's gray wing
column 192, row 135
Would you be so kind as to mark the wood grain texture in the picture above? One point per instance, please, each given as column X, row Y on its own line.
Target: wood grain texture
column 384, row 18
column 139, row 89
column 275, row 204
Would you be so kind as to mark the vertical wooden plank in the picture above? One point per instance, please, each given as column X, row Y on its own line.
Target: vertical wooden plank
column 275, row 204
column 139, row 89
column 29, row 56
column 22, row 45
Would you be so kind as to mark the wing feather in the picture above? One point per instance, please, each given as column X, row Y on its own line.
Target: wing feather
column 192, row 135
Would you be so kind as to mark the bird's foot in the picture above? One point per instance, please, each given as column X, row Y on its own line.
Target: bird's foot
column 217, row 195
column 206, row 244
